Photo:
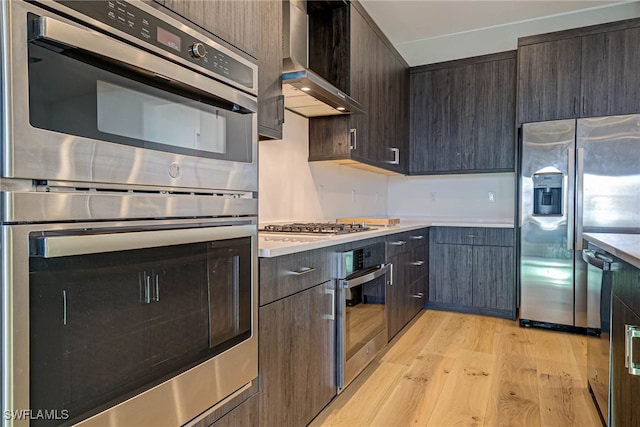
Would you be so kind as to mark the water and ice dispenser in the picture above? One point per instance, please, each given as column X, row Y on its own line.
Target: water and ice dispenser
column 547, row 193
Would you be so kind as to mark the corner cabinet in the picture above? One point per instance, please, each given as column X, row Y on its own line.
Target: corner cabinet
column 586, row 72
column 463, row 116
column 296, row 338
column 363, row 63
column 407, row 294
column 473, row 270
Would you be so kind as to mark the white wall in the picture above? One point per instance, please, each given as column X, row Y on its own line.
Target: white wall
column 454, row 197
column 291, row 188
column 505, row 37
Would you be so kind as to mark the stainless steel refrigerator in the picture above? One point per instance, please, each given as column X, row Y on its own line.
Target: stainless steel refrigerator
column 575, row 176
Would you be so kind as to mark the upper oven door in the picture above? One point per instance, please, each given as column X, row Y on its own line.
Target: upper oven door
column 82, row 106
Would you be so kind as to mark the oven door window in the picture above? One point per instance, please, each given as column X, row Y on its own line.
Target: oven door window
column 364, row 314
column 80, row 94
column 105, row 327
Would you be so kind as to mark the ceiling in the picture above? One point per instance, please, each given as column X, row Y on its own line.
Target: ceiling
column 426, row 31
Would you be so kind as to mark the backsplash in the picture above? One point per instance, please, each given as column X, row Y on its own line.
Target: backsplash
column 291, row 188
column 473, row 197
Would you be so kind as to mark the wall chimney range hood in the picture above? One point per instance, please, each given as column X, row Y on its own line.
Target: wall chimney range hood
column 306, row 92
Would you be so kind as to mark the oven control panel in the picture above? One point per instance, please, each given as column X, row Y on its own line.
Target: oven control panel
column 150, row 29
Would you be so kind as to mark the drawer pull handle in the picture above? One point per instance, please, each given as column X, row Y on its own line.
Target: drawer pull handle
column 419, row 237
column 473, row 236
column 398, row 243
column 632, row 332
column 331, row 316
column 418, row 295
column 417, row 263
column 302, row 270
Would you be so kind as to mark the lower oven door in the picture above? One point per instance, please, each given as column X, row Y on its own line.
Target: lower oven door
column 362, row 326
column 146, row 323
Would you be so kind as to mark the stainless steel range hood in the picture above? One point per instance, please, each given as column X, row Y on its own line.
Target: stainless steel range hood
column 305, row 92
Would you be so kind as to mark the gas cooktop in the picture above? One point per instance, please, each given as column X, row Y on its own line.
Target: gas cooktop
column 315, row 228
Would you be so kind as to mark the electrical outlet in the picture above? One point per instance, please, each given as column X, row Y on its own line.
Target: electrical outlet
column 492, row 196
column 353, row 196
column 321, row 192
column 432, row 196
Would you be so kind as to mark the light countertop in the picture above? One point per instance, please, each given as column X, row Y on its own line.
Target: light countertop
column 276, row 244
column 624, row 246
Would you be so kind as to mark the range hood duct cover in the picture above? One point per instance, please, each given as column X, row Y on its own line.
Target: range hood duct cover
column 305, row 92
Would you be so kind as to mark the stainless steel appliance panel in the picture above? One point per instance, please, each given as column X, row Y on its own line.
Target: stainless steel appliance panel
column 36, row 153
column 609, row 194
column 172, row 402
column 547, row 241
column 599, row 286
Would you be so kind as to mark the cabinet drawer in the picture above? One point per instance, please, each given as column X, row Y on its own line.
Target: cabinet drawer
column 473, row 236
column 396, row 244
column 416, row 264
column 285, row 275
column 417, row 238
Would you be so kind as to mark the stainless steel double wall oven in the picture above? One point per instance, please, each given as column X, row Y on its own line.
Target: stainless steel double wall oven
column 129, row 216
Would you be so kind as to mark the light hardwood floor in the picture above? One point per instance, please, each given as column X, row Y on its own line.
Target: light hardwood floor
column 451, row 369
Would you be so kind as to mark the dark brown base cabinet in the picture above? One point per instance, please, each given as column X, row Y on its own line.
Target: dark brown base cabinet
column 625, row 310
column 473, row 270
column 409, row 254
column 584, row 72
column 297, row 338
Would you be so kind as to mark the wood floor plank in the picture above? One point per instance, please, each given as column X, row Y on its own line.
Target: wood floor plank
column 564, row 402
column 406, row 347
column 359, row 403
column 415, row 397
column 514, row 400
column 464, row 398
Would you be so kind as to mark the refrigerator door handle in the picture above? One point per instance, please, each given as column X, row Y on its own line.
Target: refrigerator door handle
column 579, row 197
column 571, row 173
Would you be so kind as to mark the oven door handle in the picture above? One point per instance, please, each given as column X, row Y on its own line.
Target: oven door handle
column 82, row 244
column 50, row 29
column 361, row 280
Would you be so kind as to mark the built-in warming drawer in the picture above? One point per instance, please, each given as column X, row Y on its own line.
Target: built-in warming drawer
column 287, row 274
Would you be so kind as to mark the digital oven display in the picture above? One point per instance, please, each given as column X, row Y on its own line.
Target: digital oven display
column 169, row 39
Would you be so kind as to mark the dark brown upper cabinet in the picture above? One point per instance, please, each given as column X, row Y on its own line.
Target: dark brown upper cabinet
column 270, row 97
column 585, row 72
column 255, row 28
column 463, row 115
column 349, row 50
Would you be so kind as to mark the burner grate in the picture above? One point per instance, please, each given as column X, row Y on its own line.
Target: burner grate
column 315, row 228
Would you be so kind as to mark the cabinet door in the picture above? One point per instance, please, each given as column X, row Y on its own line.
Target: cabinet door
column 610, row 78
column 270, row 98
column 625, row 387
column 396, row 297
column 234, row 21
column 363, row 72
column 297, row 348
column 493, row 277
column 549, row 80
column 460, row 149
column 430, row 114
column 493, row 124
column 450, row 274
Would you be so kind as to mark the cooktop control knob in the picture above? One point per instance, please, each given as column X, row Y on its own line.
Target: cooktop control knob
column 198, row 50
